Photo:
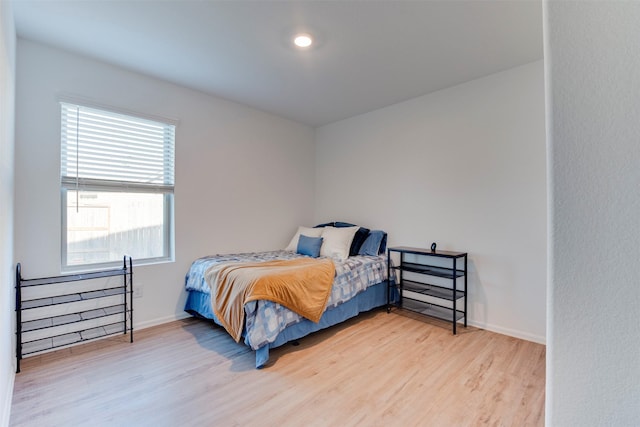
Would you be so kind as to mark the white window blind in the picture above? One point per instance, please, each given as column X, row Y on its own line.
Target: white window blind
column 102, row 149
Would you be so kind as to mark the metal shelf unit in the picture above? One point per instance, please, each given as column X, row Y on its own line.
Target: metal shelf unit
column 117, row 315
column 444, row 300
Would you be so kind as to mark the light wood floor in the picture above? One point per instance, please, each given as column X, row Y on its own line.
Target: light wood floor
column 378, row 369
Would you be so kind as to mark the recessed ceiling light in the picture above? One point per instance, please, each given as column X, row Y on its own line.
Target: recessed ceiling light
column 303, row 40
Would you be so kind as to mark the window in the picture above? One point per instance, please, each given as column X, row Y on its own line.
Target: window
column 117, row 179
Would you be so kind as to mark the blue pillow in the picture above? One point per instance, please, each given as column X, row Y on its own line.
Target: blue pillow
column 309, row 246
column 373, row 245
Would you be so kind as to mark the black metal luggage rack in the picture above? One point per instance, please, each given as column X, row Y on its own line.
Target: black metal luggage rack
column 49, row 328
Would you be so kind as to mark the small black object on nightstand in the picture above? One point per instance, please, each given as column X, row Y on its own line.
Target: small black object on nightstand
column 433, row 247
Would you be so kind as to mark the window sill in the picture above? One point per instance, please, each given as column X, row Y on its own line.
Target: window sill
column 88, row 268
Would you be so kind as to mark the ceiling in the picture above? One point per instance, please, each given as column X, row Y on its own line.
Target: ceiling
column 367, row 55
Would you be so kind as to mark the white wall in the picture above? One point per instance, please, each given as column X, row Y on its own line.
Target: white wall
column 593, row 84
column 464, row 167
column 244, row 178
column 7, row 98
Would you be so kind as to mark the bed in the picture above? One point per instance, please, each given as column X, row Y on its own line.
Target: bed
column 360, row 284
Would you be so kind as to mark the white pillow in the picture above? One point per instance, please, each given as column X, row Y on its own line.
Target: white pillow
column 337, row 241
column 307, row 231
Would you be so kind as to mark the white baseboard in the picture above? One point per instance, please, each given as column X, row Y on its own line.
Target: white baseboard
column 5, row 410
column 161, row 320
column 510, row 332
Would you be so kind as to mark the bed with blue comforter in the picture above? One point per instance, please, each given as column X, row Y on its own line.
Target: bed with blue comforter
column 360, row 284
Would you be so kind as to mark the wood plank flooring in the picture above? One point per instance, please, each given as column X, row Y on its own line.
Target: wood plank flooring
column 377, row 369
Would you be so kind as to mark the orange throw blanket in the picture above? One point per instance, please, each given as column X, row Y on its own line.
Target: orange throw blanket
column 302, row 285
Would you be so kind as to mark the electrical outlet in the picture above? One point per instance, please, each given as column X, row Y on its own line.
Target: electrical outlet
column 137, row 290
